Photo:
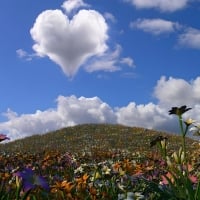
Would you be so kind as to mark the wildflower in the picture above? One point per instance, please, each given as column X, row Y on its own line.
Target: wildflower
column 167, row 177
column 189, row 121
column 169, row 163
column 30, row 180
column 106, row 170
column 116, row 166
column 93, row 192
column 80, row 169
column 176, row 158
column 138, row 195
column 127, row 165
column 193, row 179
column 3, row 137
column 179, row 111
column 82, row 181
column 64, row 185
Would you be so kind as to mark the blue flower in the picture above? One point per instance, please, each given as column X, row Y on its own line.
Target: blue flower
column 30, row 180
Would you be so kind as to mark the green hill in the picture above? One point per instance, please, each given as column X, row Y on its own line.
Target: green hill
column 89, row 137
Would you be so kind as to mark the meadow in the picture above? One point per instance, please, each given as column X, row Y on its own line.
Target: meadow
column 102, row 162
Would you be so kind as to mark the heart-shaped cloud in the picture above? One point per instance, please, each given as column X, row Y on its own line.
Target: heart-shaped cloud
column 70, row 42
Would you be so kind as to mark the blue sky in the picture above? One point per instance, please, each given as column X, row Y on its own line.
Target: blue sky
column 96, row 61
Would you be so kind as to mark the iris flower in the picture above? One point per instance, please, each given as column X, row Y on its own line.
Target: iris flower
column 30, row 180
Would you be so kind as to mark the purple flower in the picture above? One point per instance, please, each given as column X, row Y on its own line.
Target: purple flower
column 30, row 180
column 3, row 137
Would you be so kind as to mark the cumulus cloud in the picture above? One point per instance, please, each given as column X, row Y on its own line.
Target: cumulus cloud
column 177, row 91
column 190, row 38
column 155, row 26
column 141, row 115
column 71, row 5
column 69, row 111
column 72, row 110
column 163, row 5
column 72, row 42
column 59, row 38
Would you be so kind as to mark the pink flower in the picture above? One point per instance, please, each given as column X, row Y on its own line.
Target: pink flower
column 193, row 179
column 3, row 137
column 166, row 177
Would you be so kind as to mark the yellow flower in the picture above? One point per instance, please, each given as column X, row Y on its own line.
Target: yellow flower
column 189, row 121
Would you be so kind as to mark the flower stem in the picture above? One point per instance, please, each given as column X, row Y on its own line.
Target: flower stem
column 183, row 133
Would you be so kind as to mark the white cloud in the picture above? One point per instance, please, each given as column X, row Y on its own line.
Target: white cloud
column 163, row 5
column 71, row 5
column 155, row 26
column 58, row 38
column 141, row 115
column 128, row 61
column 177, row 91
column 71, row 110
column 23, row 54
column 106, row 62
column 190, row 38
column 110, row 17
column 109, row 62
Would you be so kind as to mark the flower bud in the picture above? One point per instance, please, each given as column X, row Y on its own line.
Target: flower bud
column 169, row 163
column 176, row 158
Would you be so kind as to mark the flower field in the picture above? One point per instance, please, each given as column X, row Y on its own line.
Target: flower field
column 91, row 162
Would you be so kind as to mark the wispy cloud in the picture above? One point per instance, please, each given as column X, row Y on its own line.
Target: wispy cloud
column 162, row 5
column 190, row 38
column 110, row 61
column 110, row 16
column 155, row 26
column 24, row 55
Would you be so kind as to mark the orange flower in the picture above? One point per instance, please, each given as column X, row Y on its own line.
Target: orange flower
column 64, row 185
column 127, row 165
column 138, row 169
column 93, row 192
column 82, row 181
column 117, row 166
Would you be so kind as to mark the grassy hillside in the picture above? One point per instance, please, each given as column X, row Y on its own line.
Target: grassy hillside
column 93, row 136
column 98, row 161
